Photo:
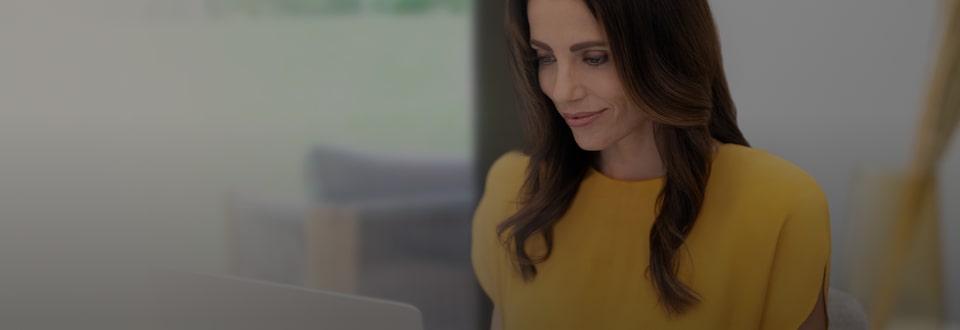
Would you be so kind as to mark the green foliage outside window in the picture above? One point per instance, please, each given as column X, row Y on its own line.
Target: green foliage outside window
column 345, row 7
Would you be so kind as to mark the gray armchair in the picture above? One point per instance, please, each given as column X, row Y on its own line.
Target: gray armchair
column 845, row 312
column 408, row 225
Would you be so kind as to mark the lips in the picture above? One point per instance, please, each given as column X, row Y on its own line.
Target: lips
column 581, row 118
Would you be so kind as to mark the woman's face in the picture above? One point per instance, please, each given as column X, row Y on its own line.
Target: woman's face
column 577, row 74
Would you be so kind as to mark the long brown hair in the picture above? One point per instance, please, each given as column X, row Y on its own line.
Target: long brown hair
column 667, row 54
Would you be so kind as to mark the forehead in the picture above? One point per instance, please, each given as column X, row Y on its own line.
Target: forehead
column 562, row 22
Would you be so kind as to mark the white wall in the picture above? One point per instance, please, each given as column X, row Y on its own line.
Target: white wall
column 121, row 134
column 835, row 86
column 109, row 145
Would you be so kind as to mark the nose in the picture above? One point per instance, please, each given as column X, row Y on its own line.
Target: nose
column 567, row 86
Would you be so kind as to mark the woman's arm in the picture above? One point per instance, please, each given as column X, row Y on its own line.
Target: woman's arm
column 796, row 296
column 817, row 320
column 495, row 322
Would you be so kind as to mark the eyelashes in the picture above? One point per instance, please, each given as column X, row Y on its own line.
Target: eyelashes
column 546, row 59
column 596, row 60
column 593, row 60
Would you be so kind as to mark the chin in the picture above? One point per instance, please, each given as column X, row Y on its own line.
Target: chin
column 590, row 144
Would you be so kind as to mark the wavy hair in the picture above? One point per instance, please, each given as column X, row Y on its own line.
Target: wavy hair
column 667, row 55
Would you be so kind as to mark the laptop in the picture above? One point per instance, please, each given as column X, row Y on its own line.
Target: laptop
column 168, row 299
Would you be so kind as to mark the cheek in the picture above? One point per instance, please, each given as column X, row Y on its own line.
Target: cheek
column 545, row 79
column 609, row 88
column 607, row 85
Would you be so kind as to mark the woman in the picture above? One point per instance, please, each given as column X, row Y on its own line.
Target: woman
column 638, row 203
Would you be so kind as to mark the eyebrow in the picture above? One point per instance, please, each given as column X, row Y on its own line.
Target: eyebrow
column 576, row 47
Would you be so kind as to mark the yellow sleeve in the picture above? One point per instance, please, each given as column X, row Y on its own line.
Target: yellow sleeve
column 498, row 202
column 801, row 264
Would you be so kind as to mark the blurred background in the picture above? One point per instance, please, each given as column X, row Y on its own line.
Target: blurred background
column 337, row 144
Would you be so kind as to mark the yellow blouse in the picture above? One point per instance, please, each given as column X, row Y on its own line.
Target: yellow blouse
column 757, row 256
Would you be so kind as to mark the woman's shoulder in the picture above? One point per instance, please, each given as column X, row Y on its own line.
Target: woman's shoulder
column 501, row 192
column 764, row 173
column 773, row 196
column 507, row 173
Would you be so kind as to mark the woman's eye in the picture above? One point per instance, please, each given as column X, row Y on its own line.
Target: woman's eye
column 595, row 60
column 546, row 59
